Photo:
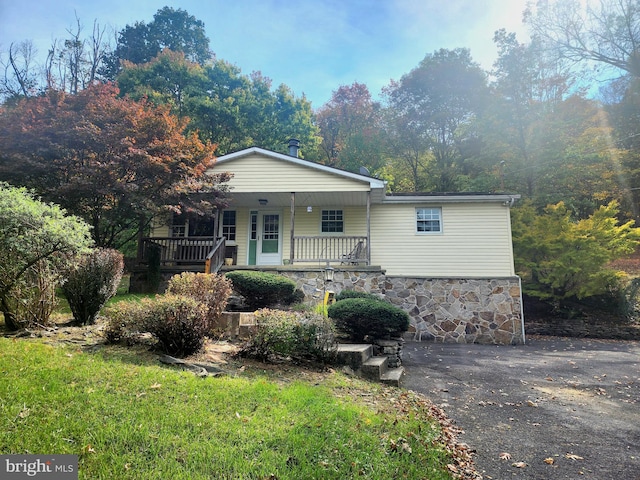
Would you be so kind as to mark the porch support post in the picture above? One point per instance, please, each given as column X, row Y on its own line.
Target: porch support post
column 369, row 228
column 292, row 227
column 216, row 224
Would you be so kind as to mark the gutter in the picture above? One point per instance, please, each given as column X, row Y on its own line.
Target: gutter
column 507, row 199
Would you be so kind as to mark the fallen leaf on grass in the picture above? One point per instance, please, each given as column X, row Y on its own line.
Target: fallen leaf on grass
column 571, row 456
column 549, row 461
column 156, row 386
column 505, row 456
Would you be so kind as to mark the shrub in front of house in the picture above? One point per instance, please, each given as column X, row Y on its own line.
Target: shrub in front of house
column 92, row 280
column 177, row 322
column 262, row 289
column 361, row 317
column 124, row 321
column 344, row 294
column 212, row 290
column 293, row 334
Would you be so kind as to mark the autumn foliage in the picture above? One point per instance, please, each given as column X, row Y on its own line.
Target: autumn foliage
column 113, row 161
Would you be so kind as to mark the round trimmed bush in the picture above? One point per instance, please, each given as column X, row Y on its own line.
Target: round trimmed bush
column 361, row 317
column 261, row 289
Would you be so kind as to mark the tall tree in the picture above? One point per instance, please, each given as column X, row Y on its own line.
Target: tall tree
column 428, row 111
column 71, row 64
column 526, row 89
column 171, row 29
column 112, row 161
column 608, row 34
column 225, row 107
column 20, row 78
column 624, row 115
column 351, row 130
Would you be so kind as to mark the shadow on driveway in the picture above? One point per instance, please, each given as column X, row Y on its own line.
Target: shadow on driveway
column 555, row 408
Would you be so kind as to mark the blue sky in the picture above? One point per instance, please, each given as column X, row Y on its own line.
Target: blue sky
column 313, row 46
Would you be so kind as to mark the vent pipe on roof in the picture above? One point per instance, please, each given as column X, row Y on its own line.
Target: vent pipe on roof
column 294, row 146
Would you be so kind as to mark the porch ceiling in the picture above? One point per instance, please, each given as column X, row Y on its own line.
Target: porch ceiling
column 303, row 199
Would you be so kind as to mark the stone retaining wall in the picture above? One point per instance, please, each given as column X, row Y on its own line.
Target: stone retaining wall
column 487, row 310
column 579, row 327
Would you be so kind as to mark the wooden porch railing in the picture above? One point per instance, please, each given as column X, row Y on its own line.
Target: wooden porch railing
column 178, row 250
column 343, row 249
column 215, row 258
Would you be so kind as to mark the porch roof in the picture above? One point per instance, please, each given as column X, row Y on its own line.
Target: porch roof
column 303, row 199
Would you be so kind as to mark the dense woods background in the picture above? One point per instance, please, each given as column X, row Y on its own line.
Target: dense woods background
column 116, row 130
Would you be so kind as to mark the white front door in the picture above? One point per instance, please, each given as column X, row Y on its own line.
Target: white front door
column 269, row 248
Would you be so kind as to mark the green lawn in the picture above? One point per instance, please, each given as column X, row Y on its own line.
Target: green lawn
column 128, row 417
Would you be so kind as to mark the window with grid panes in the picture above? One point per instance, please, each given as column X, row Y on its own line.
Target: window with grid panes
column 428, row 220
column 229, row 224
column 332, row 221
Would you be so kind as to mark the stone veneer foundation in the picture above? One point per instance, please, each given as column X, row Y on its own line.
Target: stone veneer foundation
column 460, row 310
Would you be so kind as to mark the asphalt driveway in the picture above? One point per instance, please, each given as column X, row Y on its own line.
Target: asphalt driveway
column 555, row 408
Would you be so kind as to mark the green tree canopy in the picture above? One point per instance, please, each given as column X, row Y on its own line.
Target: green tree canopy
column 429, row 109
column 34, row 236
column 227, row 108
column 560, row 258
column 170, row 29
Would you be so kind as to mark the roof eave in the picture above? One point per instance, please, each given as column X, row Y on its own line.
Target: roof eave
column 488, row 198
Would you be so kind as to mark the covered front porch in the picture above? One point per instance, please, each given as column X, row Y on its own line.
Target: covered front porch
column 271, row 228
column 210, row 253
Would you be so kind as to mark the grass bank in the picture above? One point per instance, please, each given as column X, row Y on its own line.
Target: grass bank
column 128, row 417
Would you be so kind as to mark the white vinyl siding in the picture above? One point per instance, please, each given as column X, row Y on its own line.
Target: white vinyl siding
column 476, row 241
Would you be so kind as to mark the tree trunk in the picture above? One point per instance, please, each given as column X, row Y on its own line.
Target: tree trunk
column 10, row 320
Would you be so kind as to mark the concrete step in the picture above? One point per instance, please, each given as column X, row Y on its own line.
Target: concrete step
column 374, row 368
column 354, row 354
column 393, row 377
